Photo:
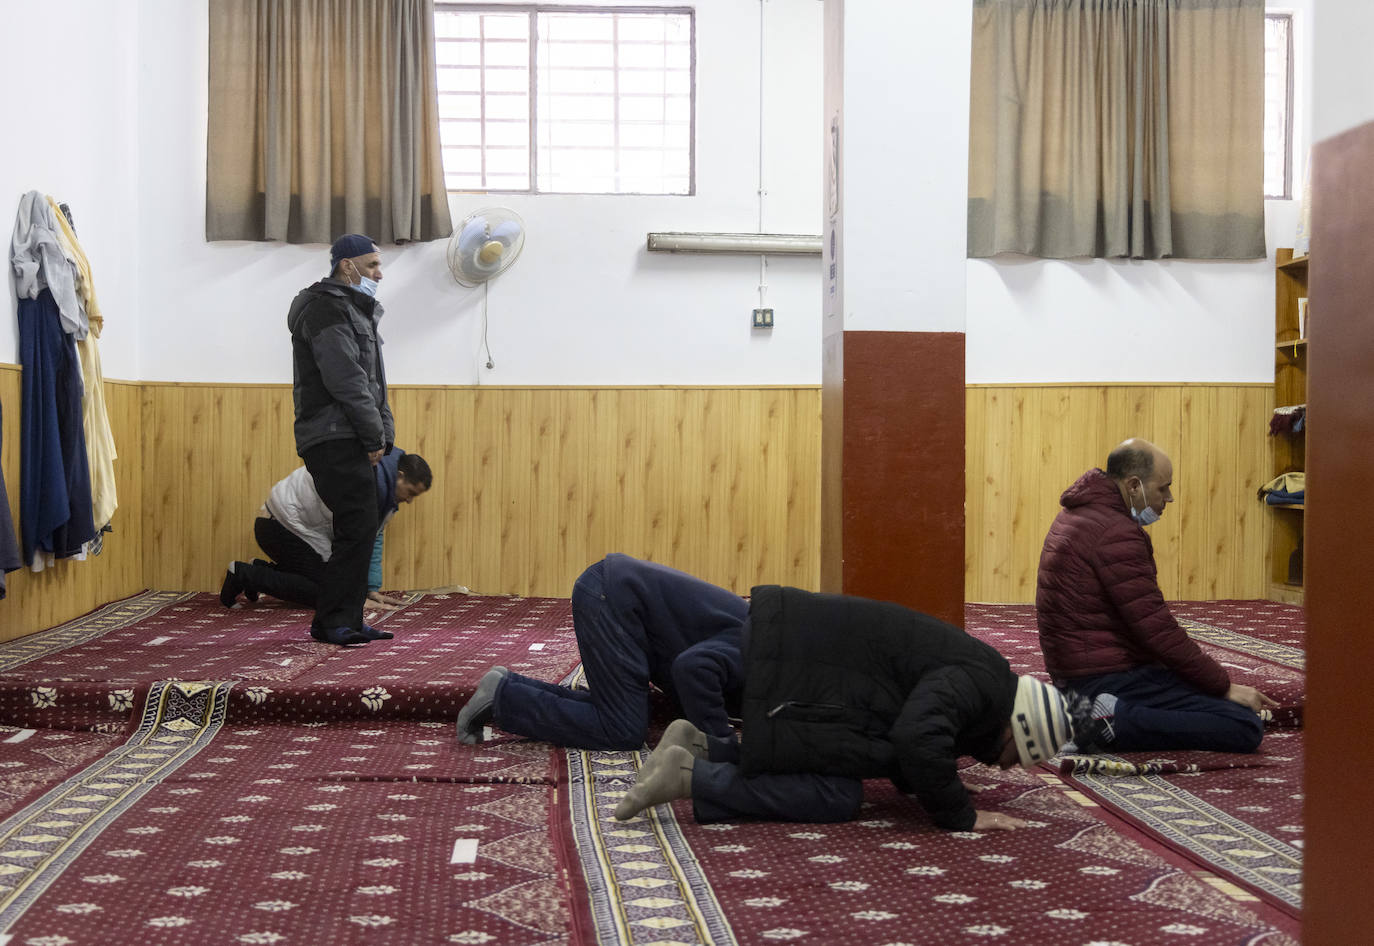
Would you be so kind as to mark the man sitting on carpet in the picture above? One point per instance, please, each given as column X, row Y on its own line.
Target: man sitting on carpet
column 1107, row 633
column 638, row 624
column 838, row 689
column 294, row 529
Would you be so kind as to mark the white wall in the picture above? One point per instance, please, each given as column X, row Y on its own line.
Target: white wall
column 904, row 129
column 71, row 131
column 1344, row 80
column 585, row 303
column 120, row 134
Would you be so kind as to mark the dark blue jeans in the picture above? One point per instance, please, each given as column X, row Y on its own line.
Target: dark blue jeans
column 614, row 713
column 720, row 792
column 1156, row 709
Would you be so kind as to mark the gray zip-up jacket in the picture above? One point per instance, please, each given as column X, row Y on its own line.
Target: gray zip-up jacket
column 339, row 383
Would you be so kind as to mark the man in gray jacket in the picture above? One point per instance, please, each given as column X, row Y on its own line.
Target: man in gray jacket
column 343, row 422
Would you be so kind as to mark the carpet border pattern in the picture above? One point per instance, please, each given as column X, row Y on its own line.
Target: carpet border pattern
column 1280, row 654
column 1227, row 844
column 88, row 627
column 678, row 907
column 38, row 843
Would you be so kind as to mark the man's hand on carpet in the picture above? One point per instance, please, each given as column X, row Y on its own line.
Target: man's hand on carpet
column 996, row 821
column 385, row 602
column 1249, row 696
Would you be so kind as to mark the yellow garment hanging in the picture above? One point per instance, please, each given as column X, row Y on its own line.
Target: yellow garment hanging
column 95, row 419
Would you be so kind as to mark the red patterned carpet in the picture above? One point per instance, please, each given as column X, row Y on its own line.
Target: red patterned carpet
column 172, row 772
column 302, row 794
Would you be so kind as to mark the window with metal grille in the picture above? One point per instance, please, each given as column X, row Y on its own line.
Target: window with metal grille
column 552, row 99
column 1278, row 105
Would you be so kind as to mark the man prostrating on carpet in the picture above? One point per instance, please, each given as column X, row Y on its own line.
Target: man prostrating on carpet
column 638, row 624
column 838, row 689
column 1107, row 633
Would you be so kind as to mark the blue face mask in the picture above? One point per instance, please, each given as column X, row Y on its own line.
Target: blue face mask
column 367, row 287
column 1146, row 516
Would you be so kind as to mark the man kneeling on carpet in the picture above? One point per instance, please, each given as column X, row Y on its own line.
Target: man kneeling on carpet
column 638, row 624
column 295, row 528
column 838, row 689
column 1107, row 632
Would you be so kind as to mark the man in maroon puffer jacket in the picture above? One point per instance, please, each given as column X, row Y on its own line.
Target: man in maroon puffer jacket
column 1108, row 635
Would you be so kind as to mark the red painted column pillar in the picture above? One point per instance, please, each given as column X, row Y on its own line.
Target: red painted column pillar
column 892, row 480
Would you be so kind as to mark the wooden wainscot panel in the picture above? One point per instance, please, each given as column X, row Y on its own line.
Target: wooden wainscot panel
column 530, row 484
column 1026, row 444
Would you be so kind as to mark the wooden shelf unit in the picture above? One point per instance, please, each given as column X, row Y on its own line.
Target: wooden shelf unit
column 1289, row 450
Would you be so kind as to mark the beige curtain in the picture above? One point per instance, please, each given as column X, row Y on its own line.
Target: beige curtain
column 1117, row 128
column 324, row 120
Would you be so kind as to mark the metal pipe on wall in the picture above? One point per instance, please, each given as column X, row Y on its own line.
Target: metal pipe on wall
column 788, row 244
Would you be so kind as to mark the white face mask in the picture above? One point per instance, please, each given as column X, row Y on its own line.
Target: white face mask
column 1146, row 516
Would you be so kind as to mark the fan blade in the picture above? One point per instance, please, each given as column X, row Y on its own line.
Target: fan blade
column 507, row 232
column 474, row 234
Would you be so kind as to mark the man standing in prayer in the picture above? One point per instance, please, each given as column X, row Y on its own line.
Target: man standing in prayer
column 838, row 689
column 1107, row 633
column 343, row 422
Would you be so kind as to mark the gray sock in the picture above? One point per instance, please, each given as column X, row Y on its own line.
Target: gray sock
column 477, row 712
column 682, row 733
column 667, row 776
column 1104, row 714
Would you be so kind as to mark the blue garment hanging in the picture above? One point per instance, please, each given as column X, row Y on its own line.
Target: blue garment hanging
column 54, row 474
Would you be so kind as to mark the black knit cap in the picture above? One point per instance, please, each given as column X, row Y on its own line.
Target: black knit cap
column 348, row 246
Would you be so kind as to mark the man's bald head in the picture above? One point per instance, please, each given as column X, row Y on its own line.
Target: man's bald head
column 1134, row 457
column 1143, row 473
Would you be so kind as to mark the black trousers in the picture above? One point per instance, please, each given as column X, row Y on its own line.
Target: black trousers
column 346, row 483
column 296, row 570
column 721, row 792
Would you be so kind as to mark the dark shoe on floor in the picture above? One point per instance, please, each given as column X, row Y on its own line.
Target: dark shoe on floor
column 229, row 591
column 343, row 636
column 477, row 712
column 376, row 634
column 235, row 583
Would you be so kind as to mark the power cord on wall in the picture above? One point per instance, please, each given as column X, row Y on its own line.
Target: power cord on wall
column 486, row 287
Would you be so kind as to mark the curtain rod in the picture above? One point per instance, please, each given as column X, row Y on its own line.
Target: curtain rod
column 792, row 244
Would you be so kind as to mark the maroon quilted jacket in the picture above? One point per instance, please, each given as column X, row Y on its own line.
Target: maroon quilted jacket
column 1097, row 600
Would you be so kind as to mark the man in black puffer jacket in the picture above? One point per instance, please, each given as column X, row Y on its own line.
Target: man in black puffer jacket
column 343, row 423
column 838, row 689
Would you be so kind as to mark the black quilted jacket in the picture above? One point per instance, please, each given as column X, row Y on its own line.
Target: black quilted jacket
column 838, row 685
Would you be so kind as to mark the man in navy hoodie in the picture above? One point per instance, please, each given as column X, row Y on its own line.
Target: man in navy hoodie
column 637, row 624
